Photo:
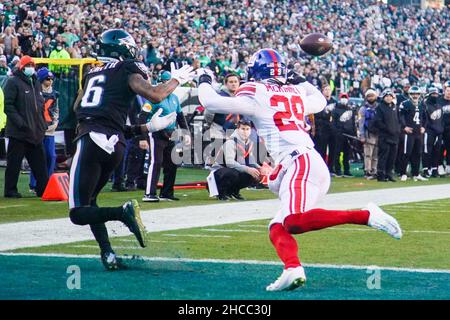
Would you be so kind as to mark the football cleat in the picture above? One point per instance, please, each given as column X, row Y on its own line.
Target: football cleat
column 378, row 219
column 290, row 279
column 111, row 262
column 419, row 178
column 132, row 219
column 150, row 198
column 404, row 177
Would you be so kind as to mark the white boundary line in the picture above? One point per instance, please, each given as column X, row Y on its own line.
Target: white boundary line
column 232, row 261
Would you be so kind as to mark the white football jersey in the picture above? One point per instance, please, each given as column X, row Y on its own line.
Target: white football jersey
column 278, row 112
column 280, row 118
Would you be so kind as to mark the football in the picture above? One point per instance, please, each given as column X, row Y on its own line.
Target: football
column 316, row 44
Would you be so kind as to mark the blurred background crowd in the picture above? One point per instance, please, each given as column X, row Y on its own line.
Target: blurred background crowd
column 375, row 45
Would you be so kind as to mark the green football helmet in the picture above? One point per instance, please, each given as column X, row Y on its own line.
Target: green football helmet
column 117, row 44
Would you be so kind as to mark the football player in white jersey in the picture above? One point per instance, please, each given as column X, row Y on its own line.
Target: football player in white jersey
column 301, row 178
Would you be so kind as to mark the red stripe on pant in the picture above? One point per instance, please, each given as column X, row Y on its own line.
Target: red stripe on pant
column 298, row 190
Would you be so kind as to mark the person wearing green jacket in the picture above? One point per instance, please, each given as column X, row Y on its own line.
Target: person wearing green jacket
column 59, row 53
column 2, row 112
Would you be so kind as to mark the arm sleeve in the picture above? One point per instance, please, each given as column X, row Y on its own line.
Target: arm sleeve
column 314, row 101
column 10, row 108
column 213, row 102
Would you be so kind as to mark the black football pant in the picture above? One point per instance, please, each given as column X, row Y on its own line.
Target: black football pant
column 230, row 181
column 160, row 156
column 35, row 155
column 342, row 145
column 135, row 164
column 412, row 150
column 446, row 138
column 90, row 171
column 322, row 140
column 431, row 149
column 387, row 153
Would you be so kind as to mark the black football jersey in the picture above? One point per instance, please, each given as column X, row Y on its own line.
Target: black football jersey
column 412, row 116
column 107, row 97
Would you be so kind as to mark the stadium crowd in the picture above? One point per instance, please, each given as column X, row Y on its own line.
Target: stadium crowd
column 376, row 47
column 374, row 44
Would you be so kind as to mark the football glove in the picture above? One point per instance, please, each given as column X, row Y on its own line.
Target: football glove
column 294, row 78
column 157, row 123
column 182, row 75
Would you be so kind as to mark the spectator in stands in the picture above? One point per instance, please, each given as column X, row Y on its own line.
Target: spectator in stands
column 51, row 116
column 25, row 127
column 235, row 166
column 59, row 53
column 4, row 69
column 368, row 135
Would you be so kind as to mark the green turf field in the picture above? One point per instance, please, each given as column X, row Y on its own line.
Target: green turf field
column 425, row 245
column 32, row 208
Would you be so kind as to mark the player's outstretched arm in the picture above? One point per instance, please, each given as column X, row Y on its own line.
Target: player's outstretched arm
column 314, row 101
column 216, row 103
column 154, row 94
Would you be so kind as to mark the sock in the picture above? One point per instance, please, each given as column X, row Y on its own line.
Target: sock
column 285, row 245
column 317, row 219
column 101, row 235
column 93, row 215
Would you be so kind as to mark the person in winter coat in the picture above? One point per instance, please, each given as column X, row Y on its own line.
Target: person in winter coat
column 25, row 127
column 388, row 125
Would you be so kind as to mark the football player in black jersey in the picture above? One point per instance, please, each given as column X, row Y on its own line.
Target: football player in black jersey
column 444, row 101
column 101, row 110
column 433, row 133
column 412, row 118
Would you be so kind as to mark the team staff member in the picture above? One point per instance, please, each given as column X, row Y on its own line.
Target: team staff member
column 25, row 127
column 236, row 162
column 324, row 133
column 101, row 109
column 220, row 122
column 444, row 101
column 367, row 136
column 388, row 126
column 413, row 121
column 433, row 133
column 161, row 147
column 343, row 118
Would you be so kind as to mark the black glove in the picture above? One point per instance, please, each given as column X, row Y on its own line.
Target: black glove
column 205, row 78
column 294, row 78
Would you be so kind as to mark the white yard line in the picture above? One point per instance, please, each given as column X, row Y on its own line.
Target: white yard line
column 59, row 231
column 232, row 230
column 233, row 261
column 13, row 206
column 404, row 231
column 193, row 235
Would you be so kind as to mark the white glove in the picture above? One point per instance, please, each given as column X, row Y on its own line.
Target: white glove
column 182, row 75
column 207, row 71
column 157, row 123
